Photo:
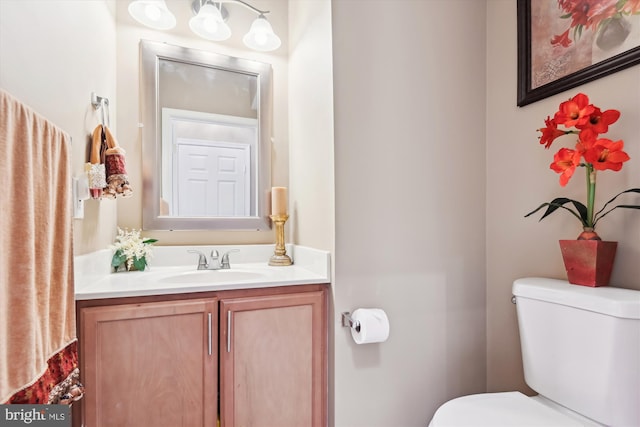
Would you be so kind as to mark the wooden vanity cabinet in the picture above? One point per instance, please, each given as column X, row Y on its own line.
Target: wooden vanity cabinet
column 272, row 360
column 154, row 361
column 150, row 364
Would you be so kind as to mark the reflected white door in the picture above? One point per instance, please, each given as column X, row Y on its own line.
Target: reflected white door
column 213, row 179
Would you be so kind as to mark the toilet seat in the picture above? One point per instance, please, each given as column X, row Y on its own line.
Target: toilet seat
column 499, row 410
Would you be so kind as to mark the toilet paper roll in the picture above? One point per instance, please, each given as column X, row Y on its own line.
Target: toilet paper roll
column 374, row 326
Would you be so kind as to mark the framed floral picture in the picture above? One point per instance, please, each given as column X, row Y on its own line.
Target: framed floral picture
column 566, row 43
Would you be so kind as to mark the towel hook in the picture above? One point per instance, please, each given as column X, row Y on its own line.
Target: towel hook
column 101, row 103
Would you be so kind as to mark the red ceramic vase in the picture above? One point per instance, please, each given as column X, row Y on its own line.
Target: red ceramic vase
column 588, row 260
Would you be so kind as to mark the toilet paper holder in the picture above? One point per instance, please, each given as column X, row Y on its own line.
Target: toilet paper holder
column 349, row 322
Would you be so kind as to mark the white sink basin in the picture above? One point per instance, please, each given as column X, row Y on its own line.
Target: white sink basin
column 213, row 276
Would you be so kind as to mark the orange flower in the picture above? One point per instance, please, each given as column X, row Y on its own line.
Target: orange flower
column 565, row 162
column 599, row 121
column 574, row 112
column 562, row 39
column 550, row 133
column 586, row 140
column 591, row 152
column 606, row 154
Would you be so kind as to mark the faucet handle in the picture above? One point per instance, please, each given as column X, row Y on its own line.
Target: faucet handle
column 202, row 259
column 224, row 263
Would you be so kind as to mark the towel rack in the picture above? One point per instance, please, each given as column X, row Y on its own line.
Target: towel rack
column 101, row 103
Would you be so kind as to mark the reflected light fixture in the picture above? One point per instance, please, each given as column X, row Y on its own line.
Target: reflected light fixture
column 209, row 21
column 153, row 14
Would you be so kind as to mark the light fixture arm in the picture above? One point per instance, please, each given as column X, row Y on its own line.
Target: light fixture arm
column 197, row 4
column 247, row 5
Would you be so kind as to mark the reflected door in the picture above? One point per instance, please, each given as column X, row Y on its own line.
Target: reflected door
column 212, row 179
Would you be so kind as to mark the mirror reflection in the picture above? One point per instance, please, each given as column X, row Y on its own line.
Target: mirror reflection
column 206, row 139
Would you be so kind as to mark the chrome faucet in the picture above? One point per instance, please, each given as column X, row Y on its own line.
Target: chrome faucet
column 216, row 262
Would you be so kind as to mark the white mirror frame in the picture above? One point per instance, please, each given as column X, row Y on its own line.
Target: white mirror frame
column 150, row 55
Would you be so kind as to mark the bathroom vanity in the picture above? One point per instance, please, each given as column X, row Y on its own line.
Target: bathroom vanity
column 249, row 350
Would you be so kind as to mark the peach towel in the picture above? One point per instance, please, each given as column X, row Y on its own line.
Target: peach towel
column 37, row 313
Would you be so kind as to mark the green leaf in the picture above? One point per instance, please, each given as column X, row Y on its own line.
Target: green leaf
column 149, row 241
column 580, row 211
column 118, row 259
column 140, row 263
column 614, row 208
column 598, row 216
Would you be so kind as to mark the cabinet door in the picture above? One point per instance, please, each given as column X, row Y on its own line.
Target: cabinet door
column 273, row 360
column 151, row 364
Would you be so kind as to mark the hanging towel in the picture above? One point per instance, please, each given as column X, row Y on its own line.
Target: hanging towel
column 95, row 167
column 38, row 345
column 117, row 179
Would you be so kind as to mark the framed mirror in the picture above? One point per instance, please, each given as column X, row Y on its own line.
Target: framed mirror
column 206, row 139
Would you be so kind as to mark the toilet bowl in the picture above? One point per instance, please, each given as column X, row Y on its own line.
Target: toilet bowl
column 509, row 409
column 580, row 350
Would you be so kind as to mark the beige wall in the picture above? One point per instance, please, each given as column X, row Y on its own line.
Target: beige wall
column 311, row 124
column 519, row 179
column 409, row 101
column 51, row 60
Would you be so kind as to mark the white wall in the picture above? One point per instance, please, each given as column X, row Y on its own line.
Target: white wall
column 51, row 60
column 519, row 179
column 409, row 100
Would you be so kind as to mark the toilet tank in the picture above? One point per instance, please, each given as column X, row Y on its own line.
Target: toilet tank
column 581, row 347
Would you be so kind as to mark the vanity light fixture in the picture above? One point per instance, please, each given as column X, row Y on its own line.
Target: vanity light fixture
column 208, row 21
column 261, row 35
column 209, row 24
column 152, row 13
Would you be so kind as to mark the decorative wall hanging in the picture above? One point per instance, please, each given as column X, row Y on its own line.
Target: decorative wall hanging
column 563, row 44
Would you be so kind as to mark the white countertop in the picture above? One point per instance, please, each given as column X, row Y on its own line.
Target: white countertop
column 173, row 270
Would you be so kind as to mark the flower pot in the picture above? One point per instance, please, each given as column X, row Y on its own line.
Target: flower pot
column 588, row 262
column 613, row 33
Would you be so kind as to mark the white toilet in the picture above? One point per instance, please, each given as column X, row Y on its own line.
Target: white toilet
column 581, row 353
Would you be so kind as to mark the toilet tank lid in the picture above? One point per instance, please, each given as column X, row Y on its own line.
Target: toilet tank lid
column 617, row 302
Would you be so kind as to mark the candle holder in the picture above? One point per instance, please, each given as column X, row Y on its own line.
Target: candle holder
column 279, row 256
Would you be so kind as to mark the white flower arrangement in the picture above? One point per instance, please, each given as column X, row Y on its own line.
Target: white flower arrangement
column 131, row 250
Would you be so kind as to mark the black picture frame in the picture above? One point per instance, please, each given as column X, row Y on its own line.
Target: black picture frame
column 528, row 95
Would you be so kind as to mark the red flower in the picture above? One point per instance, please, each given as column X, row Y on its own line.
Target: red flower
column 631, row 7
column 574, row 112
column 591, row 152
column 565, row 162
column 579, row 10
column 606, row 154
column 599, row 121
column 601, row 10
column 586, row 140
column 562, row 39
column 550, row 133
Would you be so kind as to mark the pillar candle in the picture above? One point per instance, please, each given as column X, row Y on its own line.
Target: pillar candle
column 278, row 200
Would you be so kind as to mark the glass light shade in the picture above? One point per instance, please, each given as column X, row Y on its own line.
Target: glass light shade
column 261, row 36
column 152, row 13
column 208, row 24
